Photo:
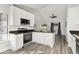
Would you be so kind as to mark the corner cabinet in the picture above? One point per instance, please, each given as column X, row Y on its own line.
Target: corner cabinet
column 16, row 14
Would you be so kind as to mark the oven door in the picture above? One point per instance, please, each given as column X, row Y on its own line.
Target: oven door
column 27, row 37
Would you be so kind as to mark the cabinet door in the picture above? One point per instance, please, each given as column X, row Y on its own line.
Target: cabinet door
column 23, row 14
column 19, row 41
column 10, row 20
column 17, row 13
column 35, row 37
column 12, row 39
column 40, row 38
column 31, row 20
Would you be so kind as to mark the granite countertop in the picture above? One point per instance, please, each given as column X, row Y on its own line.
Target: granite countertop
column 20, row 31
column 25, row 31
column 74, row 32
column 43, row 32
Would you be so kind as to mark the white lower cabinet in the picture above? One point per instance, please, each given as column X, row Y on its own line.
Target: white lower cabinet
column 16, row 41
column 44, row 38
column 72, row 43
column 19, row 41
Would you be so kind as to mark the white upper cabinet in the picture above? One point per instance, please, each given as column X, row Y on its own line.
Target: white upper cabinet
column 31, row 20
column 23, row 14
column 16, row 14
column 28, row 16
column 11, row 16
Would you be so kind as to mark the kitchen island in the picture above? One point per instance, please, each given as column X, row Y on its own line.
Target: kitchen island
column 46, row 38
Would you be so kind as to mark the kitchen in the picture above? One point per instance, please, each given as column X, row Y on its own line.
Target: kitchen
column 21, row 28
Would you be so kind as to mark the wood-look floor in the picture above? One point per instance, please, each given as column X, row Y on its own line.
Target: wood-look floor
column 60, row 47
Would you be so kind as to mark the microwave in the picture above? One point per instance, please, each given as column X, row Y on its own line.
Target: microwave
column 24, row 21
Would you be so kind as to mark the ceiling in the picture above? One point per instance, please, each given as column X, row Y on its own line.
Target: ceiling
column 36, row 6
column 73, row 5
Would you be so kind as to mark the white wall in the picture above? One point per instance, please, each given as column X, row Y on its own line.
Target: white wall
column 44, row 14
column 4, row 8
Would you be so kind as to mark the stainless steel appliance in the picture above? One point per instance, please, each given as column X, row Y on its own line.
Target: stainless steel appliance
column 27, row 34
column 27, row 37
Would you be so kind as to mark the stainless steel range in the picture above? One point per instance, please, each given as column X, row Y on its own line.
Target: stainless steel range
column 27, row 34
column 27, row 37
